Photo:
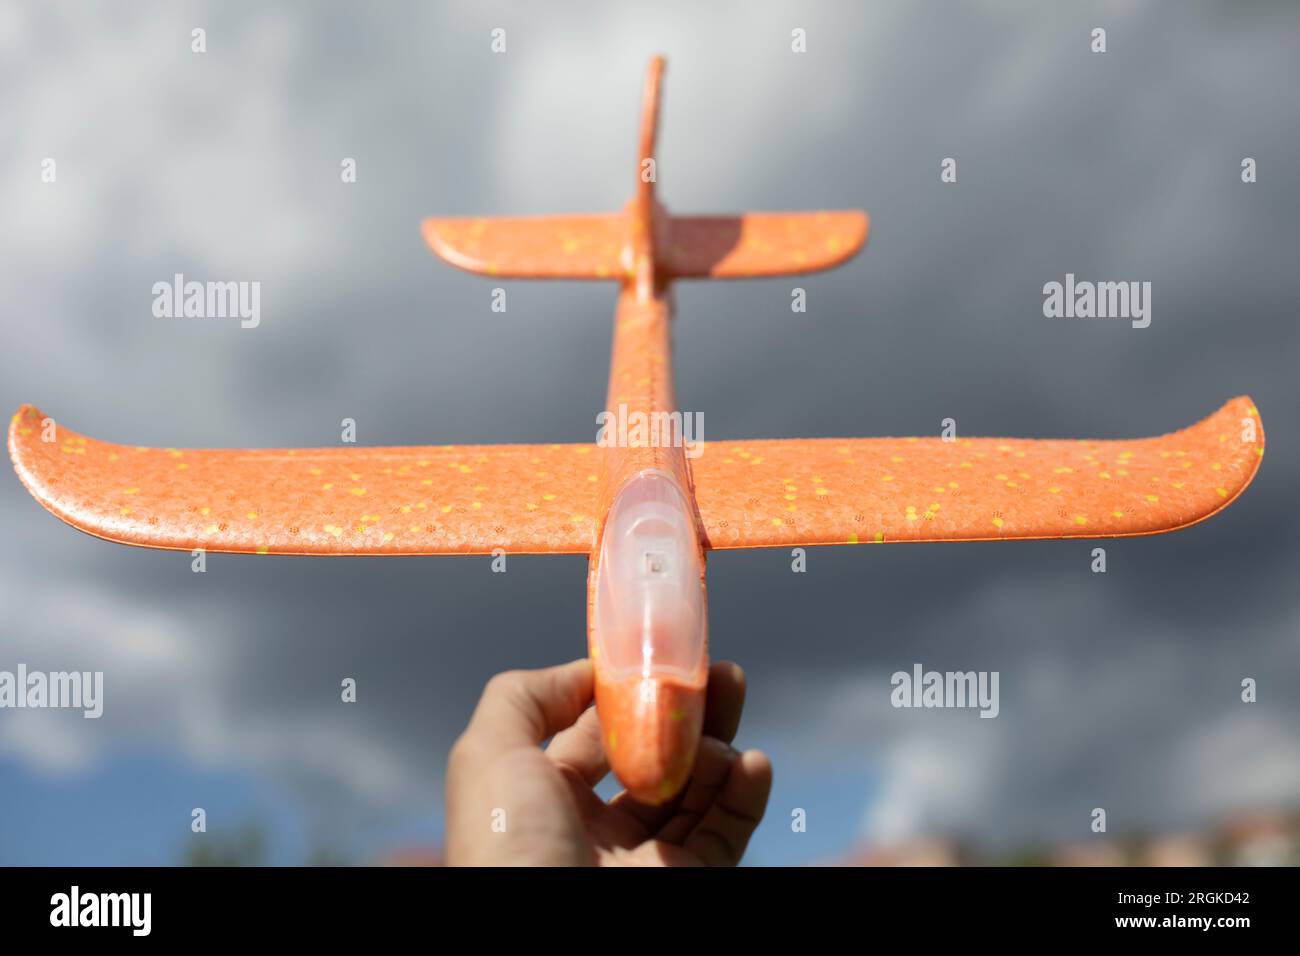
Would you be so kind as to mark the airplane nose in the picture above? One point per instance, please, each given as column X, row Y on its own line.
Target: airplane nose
column 650, row 730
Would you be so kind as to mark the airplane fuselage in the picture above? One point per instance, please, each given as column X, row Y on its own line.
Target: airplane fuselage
column 647, row 608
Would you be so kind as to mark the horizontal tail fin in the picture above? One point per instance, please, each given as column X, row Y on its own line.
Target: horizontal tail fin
column 761, row 243
column 534, row 247
column 598, row 246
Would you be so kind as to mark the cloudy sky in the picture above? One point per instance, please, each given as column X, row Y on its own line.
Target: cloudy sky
column 1119, row 690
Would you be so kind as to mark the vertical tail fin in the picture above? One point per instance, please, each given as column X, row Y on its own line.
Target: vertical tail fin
column 645, row 158
column 645, row 216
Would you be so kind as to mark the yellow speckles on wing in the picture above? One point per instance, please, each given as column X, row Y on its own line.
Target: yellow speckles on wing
column 880, row 537
column 359, row 492
column 252, row 515
column 997, row 523
column 263, row 549
column 1054, row 489
column 777, row 522
column 446, row 509
column 613, row 734
column 476, row 505
column 530, row 506
column 124, row 511
column 130, row 491
column 327, row 486
column 1223, row 492
column 548, row 497
column 388, row 536
column 910, row 513
column 333, row 529
column 1063, row 470
column 1080, row 519
column 1117, row 514
column 1153, row 498
column 205, row 510
column 211, row 529
column 853, row 537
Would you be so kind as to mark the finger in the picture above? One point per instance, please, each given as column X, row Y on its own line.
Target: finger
column 723, row 833
column 523, row 708
column 724, row 701
column 579, row 748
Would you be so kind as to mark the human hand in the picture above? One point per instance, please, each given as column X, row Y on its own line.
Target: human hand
column 509, row 802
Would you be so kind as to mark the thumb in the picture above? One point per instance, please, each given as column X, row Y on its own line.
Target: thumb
column 523, row 708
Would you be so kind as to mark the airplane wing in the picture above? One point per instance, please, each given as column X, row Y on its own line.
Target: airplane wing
column 863, row 490
column 533, row 247
column 761, row 243
column 446, row 499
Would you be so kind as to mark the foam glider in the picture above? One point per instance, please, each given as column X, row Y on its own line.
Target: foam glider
column 645, row 514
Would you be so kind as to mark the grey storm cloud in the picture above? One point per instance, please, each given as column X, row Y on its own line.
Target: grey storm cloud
column 1119, row 690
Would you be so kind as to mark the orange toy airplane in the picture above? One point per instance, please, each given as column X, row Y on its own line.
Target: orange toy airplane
column 645, row 512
